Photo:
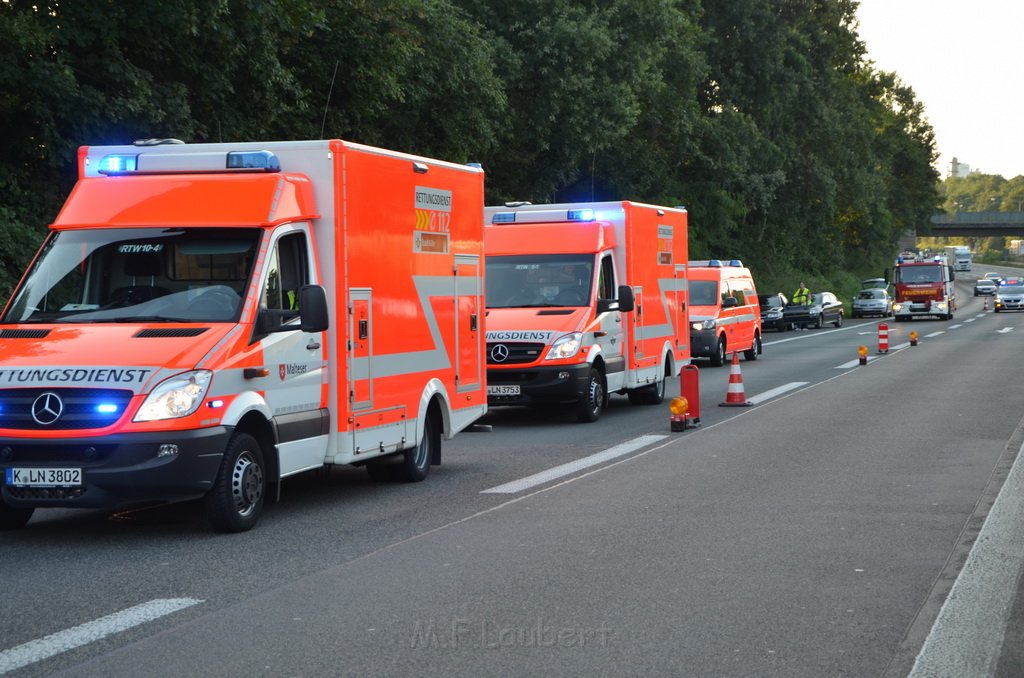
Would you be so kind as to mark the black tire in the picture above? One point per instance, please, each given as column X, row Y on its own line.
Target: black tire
column 755, row 350
column 718, row 359
column 820, row 322
column 650, row 395
column 591, row 405
column 839, row 320
column 13, row 517
column 236, row 501
column 415, row 464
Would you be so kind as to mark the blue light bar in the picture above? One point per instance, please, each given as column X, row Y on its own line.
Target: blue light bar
column 581, row 215
column 503, row 218
column 115, row 164
column 264, row 160
column 106, row 408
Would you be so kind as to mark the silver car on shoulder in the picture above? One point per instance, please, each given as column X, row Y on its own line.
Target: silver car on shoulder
column 875, row 301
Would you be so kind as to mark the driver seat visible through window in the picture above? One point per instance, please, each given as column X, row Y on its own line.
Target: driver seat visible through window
column 143, row 268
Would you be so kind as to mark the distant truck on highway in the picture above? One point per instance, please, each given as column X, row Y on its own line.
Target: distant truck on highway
column 958, row 256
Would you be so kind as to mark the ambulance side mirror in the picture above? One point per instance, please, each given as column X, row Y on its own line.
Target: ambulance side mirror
column 626, row 300
column 313, row 308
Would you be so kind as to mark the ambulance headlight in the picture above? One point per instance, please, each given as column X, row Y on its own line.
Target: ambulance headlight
column 178, row 396
column 708, row 324
column 565, row 347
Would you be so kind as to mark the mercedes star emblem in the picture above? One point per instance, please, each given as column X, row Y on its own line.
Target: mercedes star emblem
column 47, row 408
column 499, row 353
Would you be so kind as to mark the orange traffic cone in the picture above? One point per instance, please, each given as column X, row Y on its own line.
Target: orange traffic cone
column 734, row 396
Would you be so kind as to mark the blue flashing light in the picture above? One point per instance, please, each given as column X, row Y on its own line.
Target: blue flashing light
column 264, row 160
column 581, row 215
column 715, row 262
column 736, row 262
column 106, row 408
column 503, row 218
column 115, row 164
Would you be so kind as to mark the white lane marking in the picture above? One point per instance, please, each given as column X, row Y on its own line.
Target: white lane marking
column 970, row 320
column 854, row 363
column 967, row 636
column 934, row 334
column 1005, row 330
column 574, row 466
column 68, row 639
column 767, row 395
column 811, row 333
column 956, row 327
column 980, row 315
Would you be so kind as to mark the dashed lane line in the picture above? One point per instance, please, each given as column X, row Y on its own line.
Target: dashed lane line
column 68, row 639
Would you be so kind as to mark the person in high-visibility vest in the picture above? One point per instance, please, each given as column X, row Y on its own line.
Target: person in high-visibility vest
column 802, row 297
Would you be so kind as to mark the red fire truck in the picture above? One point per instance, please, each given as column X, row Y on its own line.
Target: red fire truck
column 924, row 287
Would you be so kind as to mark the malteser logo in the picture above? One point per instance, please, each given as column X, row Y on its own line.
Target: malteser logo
column 286, row 370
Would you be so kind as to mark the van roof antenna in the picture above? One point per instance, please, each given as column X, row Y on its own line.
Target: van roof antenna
column 327, row 105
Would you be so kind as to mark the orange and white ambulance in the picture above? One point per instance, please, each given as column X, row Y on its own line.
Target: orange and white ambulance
column 725, row 315
column 204, row 320
column 584, row 300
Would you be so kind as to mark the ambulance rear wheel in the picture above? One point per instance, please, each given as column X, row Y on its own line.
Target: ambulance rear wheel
column 13, row 517
column 591, row 405
column 236, row 500
column 718, row 359
column 650, row 395
column 415, row 463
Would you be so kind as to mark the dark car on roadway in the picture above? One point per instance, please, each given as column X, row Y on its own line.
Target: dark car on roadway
column 825, row 307
column 984, row 287
column 772, row 307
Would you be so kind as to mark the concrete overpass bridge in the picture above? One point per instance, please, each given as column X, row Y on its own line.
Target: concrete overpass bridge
column 979, row 224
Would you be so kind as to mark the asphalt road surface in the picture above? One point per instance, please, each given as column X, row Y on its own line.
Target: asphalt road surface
column 856, row 520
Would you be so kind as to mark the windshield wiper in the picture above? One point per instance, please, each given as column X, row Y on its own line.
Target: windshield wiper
column 147, row 319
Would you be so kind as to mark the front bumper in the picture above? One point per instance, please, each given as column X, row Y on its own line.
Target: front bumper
column 704, row 343
column 117, row 470
column 561, row 384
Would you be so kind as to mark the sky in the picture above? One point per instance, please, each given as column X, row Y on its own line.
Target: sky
column 964, row 60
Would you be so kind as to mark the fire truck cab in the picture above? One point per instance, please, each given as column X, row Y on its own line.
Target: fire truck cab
column 923, row 288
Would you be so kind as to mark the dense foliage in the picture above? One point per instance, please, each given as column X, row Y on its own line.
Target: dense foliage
column 764, row 117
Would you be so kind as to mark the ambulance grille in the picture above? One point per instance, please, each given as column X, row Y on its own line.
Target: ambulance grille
column 23, row 334
column 78, row 408
column 170, row 332
column 517, row 353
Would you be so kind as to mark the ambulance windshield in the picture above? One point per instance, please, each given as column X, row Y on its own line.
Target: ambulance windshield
column 539, row 280
column 138, row 275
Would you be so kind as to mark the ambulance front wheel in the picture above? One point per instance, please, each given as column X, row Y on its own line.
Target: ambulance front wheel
column 591, row 405
column 13, row 517
column 718, row 359
column 236, row 500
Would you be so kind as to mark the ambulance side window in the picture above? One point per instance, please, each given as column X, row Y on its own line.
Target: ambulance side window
column 606, row 279
column 287, row 271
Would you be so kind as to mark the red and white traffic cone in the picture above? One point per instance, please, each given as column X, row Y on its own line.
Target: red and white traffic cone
column 734, row 396
column 883, row 338
column 985, row 307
